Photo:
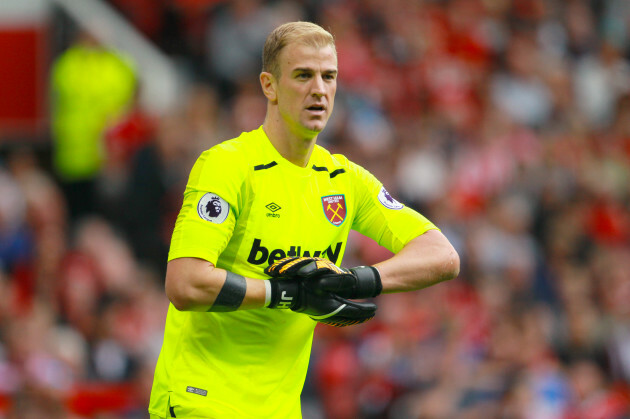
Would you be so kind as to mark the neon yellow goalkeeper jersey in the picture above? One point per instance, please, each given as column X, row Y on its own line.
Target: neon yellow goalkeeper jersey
column 245, row 207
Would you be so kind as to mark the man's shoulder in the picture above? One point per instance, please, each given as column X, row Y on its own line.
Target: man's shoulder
column 335, row 160
column 229, row 162
column 238, row 149
column 339, row 164
column 246, row 141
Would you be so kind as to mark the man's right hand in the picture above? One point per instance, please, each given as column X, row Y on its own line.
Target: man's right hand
column 290, row 292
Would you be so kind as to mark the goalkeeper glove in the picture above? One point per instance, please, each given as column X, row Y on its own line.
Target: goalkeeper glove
column 292, row 293
column 323, row 276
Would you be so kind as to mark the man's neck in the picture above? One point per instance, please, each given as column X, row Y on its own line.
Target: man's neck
column 292, row 147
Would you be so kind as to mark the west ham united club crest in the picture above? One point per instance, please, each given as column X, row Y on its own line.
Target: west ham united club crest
column 335, row 208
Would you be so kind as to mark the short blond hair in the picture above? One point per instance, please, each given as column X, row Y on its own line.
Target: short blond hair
column 293, row 32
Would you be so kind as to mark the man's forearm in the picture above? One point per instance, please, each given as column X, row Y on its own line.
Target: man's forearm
column 426, row 260
column 196, row 285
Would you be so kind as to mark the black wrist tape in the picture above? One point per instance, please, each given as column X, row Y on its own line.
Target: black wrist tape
column 232, row 293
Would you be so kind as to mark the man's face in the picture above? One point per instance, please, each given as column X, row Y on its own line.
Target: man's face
column 306, row 88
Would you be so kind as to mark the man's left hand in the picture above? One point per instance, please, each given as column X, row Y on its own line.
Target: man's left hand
column 323, row 276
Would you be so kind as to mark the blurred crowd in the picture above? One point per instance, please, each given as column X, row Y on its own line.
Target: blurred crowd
column 506, row 122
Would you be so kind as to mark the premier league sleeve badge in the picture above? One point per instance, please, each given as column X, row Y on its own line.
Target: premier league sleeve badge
column 211, row 207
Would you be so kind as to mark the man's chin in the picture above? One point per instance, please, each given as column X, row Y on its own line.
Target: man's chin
column 315, row 128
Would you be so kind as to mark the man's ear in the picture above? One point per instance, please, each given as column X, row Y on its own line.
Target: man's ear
column 268, row 84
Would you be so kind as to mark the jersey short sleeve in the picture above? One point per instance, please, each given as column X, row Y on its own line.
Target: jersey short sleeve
column 381, row 217
column 211, row 205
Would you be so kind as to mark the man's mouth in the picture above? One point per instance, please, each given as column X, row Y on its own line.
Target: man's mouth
column 316, row 108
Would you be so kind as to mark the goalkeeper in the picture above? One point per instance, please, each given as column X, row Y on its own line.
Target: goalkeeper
column 255, row 256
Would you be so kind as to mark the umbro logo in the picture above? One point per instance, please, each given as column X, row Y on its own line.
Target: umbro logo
column 273, row 207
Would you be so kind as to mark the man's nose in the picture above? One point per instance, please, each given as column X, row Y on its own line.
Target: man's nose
column 319, row 86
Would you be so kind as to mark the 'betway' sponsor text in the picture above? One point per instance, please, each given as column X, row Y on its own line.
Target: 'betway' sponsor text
column 259, row 254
